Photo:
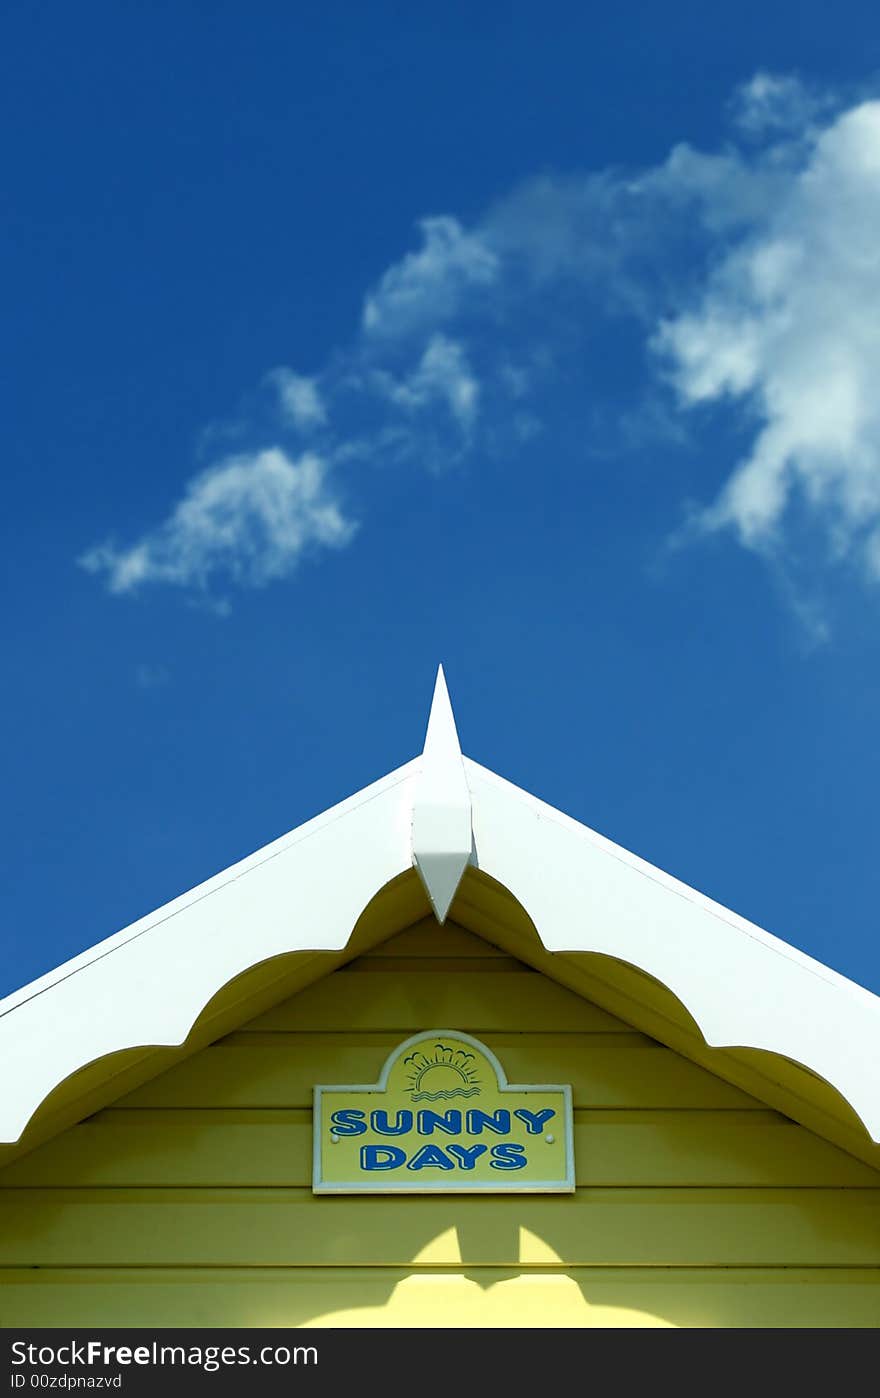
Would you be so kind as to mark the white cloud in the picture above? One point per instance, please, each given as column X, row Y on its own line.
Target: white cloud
column 442, row 374
column 428, row 286
column 299, row 399
column 776, row 102
column 751, row 276
column 788, row 322
column 248, row 519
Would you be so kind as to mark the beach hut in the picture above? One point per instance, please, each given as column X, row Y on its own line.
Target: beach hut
column 441, row 1056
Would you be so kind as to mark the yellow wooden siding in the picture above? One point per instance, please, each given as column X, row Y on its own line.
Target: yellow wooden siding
column 188, row 1201
column 416, row 1296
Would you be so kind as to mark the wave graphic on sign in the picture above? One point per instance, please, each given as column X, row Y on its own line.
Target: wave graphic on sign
column 445, row 1074
column 446, row 1094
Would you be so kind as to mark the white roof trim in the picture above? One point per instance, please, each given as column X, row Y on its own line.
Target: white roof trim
column 148, row 984
column 743, row 987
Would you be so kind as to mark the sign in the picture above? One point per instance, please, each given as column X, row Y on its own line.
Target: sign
column 443, row 1119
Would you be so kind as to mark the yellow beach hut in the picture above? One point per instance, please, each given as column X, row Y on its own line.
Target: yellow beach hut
column 441, row 1056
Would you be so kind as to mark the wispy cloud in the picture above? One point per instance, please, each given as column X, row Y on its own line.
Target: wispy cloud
column 149, row 676
column 442, row 375
column 774, row 103
column 427, row 287
column 298, row 398
column 250, row 518
column 750, row 274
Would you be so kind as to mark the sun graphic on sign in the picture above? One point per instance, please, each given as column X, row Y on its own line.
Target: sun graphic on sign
column 441, row 1075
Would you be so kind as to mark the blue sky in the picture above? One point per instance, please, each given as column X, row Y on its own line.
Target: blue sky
column 539, row 341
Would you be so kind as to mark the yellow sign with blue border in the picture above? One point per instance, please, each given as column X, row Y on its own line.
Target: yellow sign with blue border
column 443, row 1119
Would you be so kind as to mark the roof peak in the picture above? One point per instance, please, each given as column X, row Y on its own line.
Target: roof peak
column 441, row 735
column 441, row 826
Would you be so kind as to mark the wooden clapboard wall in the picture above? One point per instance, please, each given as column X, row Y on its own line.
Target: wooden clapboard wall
column 189, row 1202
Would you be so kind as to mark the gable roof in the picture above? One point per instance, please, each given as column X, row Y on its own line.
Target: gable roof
column 443, row 832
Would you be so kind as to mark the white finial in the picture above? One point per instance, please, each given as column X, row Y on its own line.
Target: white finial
column 441, row 807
